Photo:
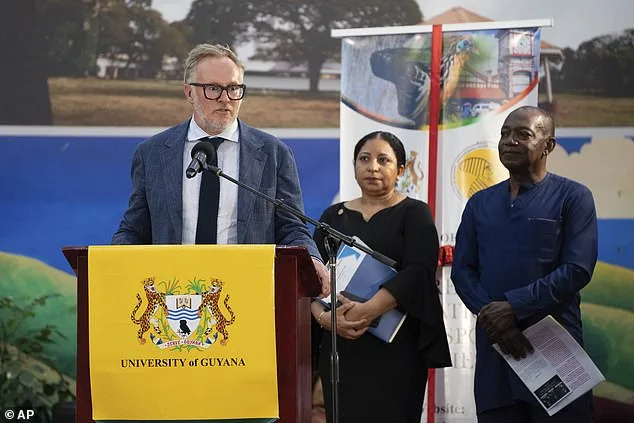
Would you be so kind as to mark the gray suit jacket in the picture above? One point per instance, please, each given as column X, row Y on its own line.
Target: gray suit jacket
column 155, row 211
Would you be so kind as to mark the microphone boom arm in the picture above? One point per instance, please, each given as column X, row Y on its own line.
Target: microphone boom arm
column 323, row 227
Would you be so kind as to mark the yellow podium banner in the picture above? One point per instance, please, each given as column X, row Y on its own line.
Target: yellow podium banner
column 182, row 332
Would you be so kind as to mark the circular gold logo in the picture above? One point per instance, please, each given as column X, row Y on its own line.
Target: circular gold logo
column 477, row 168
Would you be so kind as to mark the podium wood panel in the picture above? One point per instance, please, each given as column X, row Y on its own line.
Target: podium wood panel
column 295, row 282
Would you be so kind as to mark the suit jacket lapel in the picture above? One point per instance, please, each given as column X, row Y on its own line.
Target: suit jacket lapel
column 172, row 164
column 252, row 160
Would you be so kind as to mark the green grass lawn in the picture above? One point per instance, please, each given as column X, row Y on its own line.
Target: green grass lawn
column 574, row 110
column 96, row 102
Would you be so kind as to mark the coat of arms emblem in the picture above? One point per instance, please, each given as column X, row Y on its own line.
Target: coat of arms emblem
column 189, row 320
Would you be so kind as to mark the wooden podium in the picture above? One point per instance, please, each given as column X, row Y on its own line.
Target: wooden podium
column 295, row 282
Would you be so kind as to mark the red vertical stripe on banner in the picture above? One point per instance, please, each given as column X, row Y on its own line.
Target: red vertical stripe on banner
column 434, row 115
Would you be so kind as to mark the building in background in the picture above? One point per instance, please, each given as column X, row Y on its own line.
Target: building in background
column 551, row 57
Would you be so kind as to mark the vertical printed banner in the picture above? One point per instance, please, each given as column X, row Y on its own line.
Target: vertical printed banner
column 386, row 85
column 182, row 332
column 500, row 76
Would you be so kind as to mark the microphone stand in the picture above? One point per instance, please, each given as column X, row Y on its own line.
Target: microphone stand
column 323, row 227
column 331, row 244
column 332, row 238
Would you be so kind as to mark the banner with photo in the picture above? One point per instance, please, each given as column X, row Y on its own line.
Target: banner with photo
column 486, row 70
column 182, row 332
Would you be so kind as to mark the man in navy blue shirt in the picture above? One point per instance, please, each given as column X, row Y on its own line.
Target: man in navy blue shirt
column 524, row 249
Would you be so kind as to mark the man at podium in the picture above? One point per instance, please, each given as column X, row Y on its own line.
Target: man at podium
column 167, row 207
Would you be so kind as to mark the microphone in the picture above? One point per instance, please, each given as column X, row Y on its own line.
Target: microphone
column 202, row 155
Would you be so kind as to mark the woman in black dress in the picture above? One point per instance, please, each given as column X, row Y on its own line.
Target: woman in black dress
column 385, row 382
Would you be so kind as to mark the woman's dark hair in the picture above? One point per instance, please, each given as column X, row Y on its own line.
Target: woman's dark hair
column 391, row 139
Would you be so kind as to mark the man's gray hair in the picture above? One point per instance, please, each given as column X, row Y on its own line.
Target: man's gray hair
column 208, row 50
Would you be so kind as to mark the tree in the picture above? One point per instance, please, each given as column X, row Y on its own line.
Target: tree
column 130, row 30
column 23, row 77
column 173, row 43
column 146, row 30
column 219, row 21
column 298, row 31
column 567, row 77
column 603, row 64
column 114, row 32
column 69, row 35
column 27, row 375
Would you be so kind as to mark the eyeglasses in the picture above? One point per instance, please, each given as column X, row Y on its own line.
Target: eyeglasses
column 214, row 91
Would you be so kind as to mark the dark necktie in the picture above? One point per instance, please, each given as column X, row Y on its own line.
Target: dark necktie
column 207, row 227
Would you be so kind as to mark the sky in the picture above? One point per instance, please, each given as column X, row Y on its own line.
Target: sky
column 575, row 21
